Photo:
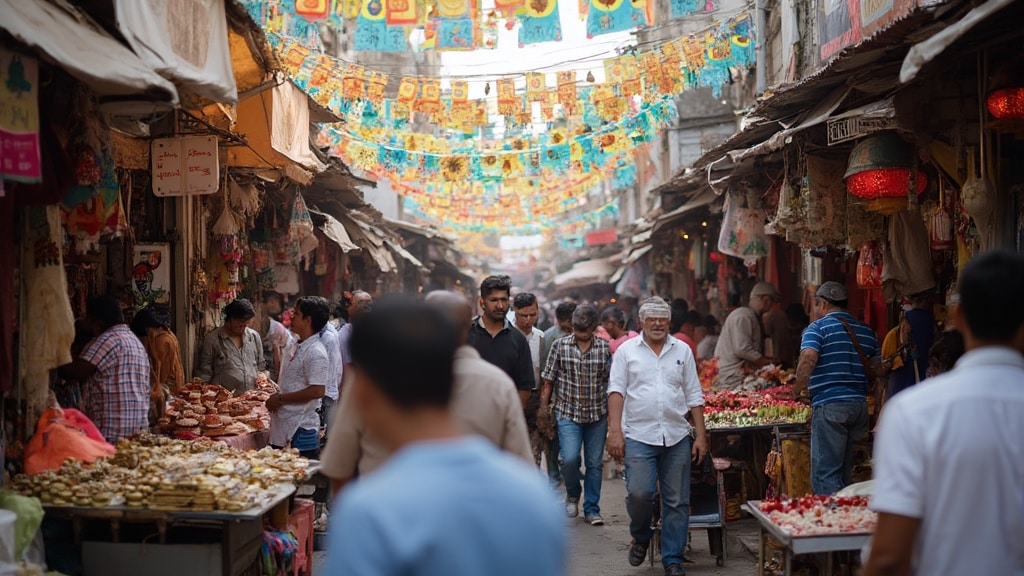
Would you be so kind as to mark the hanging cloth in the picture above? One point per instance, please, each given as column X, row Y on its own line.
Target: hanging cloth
column 907, row 256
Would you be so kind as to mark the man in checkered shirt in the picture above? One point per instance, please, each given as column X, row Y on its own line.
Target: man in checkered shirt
column 115, row 369
column 577, row 369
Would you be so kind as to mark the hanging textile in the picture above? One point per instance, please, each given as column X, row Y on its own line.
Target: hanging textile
column 908, row 267
column 742, row 232
column 49, row 328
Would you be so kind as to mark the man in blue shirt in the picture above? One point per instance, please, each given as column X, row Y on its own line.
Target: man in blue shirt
column 839, row 359
column 443, row 503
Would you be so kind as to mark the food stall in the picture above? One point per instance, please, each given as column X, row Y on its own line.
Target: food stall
column 812, row 525
column 746, row 425
column 166, row 506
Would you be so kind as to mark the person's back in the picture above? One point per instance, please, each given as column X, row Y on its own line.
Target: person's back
column 454, row 508
column 949, row 456
column 962, row 454
column 484, row 402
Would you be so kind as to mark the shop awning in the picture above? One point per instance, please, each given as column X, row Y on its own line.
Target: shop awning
column 398, row 249
column 637, row 254
column 372, row 240
column 336, row 232
column 194, row 53
column 584, row 273
column 924, row 52
column 618, row 275
column 703, row 198
column 84, row 49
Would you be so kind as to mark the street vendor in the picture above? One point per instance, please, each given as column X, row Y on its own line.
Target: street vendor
column 839, row 359
column 304, row 376
column 116, row 372
column 740, row 343
column 232, row 355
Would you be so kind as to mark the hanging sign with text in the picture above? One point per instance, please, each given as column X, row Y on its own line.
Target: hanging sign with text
column 20, row 158
column 185, row 166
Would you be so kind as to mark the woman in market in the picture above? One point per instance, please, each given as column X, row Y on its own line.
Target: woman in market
column 232, row 355
column 919, row 323
column 167, row 375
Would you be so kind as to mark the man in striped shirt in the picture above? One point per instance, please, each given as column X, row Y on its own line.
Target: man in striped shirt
column 839, row 359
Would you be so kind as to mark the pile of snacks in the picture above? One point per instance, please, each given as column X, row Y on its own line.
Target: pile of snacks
column 161, row 473
column 211, row 410
column 821, row 515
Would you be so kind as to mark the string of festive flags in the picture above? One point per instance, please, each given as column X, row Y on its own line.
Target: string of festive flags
column 387, row 25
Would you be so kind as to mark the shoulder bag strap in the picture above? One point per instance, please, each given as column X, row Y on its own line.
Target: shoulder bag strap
column 860, row 351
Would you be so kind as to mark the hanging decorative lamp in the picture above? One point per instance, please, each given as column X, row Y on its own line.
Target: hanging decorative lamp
column 882, row 166
column 1005, row 100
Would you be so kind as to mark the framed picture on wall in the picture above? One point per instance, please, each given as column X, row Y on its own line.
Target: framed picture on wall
column 151, row 278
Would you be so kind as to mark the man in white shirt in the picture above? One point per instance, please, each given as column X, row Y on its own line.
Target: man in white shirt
column 526, row 312
column 329, row 338
column 949, row 475
column 653, row 386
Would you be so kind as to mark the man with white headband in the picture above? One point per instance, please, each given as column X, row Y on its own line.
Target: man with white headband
column 653, row 385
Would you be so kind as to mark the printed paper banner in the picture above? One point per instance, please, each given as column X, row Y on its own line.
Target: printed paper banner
column 400, row 12
column 540, row 22
column 312, row 9
column 508, row 102
column 681, row 8
column 456, row 34
column 509, row 8
column 373, row 33
column 453, row 9
column 536, row 87
column 20, row 156
column 607, row 16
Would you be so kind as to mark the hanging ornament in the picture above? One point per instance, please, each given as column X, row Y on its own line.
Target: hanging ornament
column 487, row 89
column 590, row 77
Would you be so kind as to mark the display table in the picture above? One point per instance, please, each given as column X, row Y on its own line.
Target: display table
column 797, row 545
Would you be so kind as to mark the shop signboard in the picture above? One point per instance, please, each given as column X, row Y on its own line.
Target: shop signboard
column 185, row 166
column 843, row 23
column 20, row 157
column 599, row 237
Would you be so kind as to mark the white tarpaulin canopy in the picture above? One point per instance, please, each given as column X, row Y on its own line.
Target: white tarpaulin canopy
column 86, row 51
column 183, row 40
column 584, row 273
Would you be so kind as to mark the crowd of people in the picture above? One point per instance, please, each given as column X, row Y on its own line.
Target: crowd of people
column 400, row 387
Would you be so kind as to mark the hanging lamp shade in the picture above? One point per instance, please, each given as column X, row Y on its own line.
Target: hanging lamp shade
column 882, row 166
column 1006, row 103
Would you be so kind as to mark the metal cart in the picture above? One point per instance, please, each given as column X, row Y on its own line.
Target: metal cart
column 707, row 510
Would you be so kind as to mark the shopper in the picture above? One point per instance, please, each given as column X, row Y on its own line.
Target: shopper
column 526, row 312
column 497, row 340
column 305, row 372
column 232, row 355
column 166, row 374
column 740, row 344
column 484, row 402
column 353, row 304
column 577, row 371
column 914, row 354
column 707, row 337
column 115, row 370
column 561, row 328
column 653, row 386
column 330, row 338
column 444, row 503
column 948, row 463
column 614, row 321
column 839, row 361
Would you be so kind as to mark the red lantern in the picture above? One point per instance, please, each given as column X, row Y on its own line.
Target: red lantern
column 1006, row 103
column 884, row 183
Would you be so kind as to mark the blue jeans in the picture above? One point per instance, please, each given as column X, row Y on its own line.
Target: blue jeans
column 572, row 437
column 835, row 428
column 668, row 467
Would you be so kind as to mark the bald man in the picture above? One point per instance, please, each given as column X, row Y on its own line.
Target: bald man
column 484, row 402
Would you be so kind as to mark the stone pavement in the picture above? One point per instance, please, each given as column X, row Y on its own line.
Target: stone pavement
column 602, row 550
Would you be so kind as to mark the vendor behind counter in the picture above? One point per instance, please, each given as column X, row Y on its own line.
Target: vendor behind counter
column 232, row 355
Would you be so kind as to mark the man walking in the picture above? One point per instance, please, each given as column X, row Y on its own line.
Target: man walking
column 304, row 376
column 497, row 341
column 949, row 475
column 335, row 368
column 839, row 358
column 484, row 402
column 578, row 368
column 741, row 340
column 422, row 513
column 653, row 386
column 526, row 314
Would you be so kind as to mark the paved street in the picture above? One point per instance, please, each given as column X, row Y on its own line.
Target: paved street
column 602, row 550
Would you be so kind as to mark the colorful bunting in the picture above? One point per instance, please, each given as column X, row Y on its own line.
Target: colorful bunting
column 540, row 22
column 607, row 16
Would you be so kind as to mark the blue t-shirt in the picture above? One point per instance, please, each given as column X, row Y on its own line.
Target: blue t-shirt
column 448, row 508
column 839, row 375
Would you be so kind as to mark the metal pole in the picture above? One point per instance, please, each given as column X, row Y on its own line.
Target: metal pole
column 761, row 69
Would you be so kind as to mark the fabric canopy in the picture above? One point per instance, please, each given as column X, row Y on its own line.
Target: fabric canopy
column 86, row 51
